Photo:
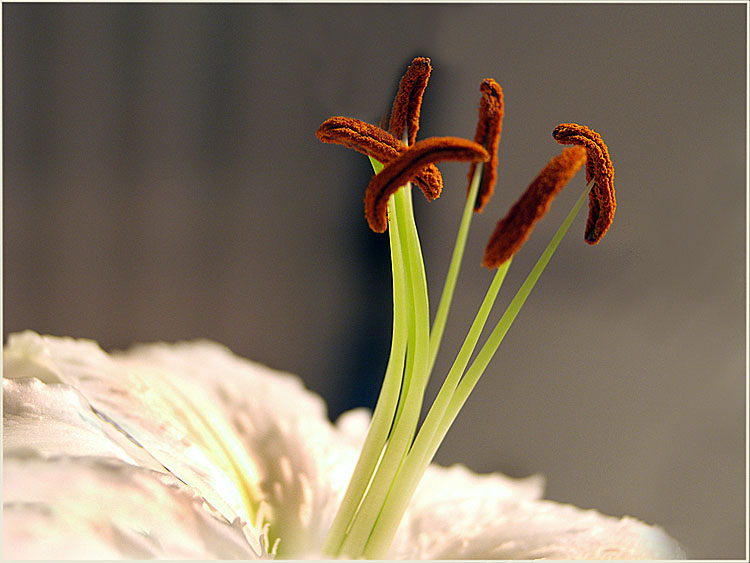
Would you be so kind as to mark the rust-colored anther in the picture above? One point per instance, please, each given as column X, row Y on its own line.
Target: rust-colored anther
column 489, row 127
column 407, row 165
column 360, row 136
column 514, row 229
column 602, row 201
column 408, row 101
column 380, row 145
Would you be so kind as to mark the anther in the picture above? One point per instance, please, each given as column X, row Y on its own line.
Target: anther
column 408, row 101
column 360, row 136
column 488, row 131
column 378, row 144
column 602, row 201
column 407, row 165
column 514, row 229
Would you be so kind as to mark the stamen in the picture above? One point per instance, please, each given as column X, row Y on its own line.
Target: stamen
column 513, row 229
column 402, row 169
column 408, row 101
column 360, row 136
column 489, row 127
column 598, row 166
column 378, row 144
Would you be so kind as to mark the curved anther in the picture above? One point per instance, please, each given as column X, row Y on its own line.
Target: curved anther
column 513, row 229
column 404, row 168
column 488, row 131
column 360, row 136
column 378, row 144
column 602, row 201
column 408, row 101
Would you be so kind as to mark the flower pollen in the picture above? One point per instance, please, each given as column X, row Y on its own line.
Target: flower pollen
column 514, row 229
column 489, row 128
column 402, row 169
column 360, row 136
column 374, row 142
column 602, row 201
column 408, row 101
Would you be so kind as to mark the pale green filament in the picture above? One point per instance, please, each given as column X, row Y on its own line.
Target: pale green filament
column 496, row 336
column 421, row 453
column 441, row 316
column 393, row 461
column 436, row 427
column 415, row 381
column 376, row 468
column 386, row 406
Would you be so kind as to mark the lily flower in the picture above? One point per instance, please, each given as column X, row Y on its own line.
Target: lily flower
column 180, row 451
column 186, row 451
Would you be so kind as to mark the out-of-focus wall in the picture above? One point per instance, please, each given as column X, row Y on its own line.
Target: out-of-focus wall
column 162, row 181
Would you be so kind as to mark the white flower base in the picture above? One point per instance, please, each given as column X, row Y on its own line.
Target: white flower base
column 185, row 450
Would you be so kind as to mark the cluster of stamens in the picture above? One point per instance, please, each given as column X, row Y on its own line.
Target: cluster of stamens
column 394, row 455
column 415, row 162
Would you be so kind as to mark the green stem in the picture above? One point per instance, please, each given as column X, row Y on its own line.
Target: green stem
column 382, row 418
column 484, row 356
column 421, row 456
column 405, row 425
column 429, row 427
column 438, row 326
column 416, row 462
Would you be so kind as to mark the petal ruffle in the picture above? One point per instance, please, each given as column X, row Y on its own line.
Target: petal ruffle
column 495, row 517
column 55, row 420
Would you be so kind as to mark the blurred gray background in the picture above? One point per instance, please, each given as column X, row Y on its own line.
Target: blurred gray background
column 162, row 181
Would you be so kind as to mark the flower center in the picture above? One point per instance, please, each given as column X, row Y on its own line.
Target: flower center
column 397, row 451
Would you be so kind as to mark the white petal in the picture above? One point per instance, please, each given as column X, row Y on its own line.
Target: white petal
column 303, row 461
column 177, row 424
column 468, row 520
column 54, row 419
column 353, row 425
column 228, row 427
column 27, row 356
column 457, row 482
column 223, row 425
column 102, row 508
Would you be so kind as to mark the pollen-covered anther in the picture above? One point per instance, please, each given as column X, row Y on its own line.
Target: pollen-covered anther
column 489, row 128
column 514, row 229
column 360, row 136
column 602, row 201
column 374, row 142
column 404, row 168
column 408, row 101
